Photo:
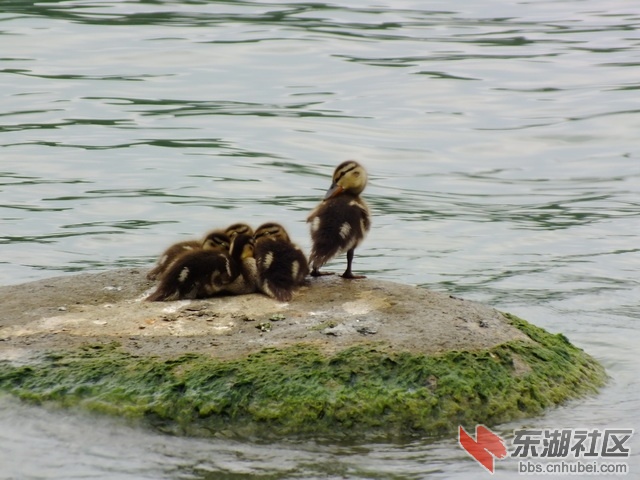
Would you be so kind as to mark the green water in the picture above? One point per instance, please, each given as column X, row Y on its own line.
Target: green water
column 501, row 141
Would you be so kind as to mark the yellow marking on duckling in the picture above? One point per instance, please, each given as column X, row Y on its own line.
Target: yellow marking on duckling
column 315, row 224
column 184, row 274
column 295, row 269
column 268, row 260
column 345, row 230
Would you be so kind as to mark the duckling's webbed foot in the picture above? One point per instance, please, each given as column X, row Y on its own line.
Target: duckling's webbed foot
column 317, row 273
column 348, row 274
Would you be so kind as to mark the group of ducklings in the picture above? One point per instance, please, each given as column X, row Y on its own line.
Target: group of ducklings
column 238, row 260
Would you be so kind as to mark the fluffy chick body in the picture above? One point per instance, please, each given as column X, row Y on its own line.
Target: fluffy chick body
column 204, row 273
column 242, row 252
column 215, row 241
column 170, row 255
column 197, row 274
column 282, row 266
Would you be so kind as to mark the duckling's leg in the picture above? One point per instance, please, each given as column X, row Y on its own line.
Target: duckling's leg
column 347, row 273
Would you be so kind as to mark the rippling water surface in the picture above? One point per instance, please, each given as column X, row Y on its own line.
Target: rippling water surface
column 502, row 140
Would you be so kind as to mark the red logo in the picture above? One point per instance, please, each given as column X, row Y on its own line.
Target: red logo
column 485, row 448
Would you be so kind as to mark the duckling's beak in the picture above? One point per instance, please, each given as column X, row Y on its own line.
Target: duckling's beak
column 247, row 252
column 334, row 190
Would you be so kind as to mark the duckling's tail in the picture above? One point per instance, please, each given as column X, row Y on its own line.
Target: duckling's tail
column 152, row 274
column 166, row 292
column 281, row 293
column 160, row 295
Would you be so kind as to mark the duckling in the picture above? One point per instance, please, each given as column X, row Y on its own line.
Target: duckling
column 242, row 253
column 341, row 221
column 215, row 240
column 193, row 275
column 169, row 256
column 218, row 238
column 282, row 266
column 238, row 228
column 204, row 273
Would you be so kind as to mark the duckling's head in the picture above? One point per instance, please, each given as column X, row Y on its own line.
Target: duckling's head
column 350, row 177
column 216, row 241
column 242, row 246
column 271, row 230
column 238, row 228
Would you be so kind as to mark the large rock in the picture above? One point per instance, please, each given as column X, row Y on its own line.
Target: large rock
column 361, row 357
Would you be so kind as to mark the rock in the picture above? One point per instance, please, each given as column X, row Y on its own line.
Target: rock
column 350, row 358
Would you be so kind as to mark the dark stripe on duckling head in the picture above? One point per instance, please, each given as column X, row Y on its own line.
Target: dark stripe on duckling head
column 237, row 229
column 216, row 241
column 350, row 177
column 271, row 230
column 341, row 172
column 338, row 185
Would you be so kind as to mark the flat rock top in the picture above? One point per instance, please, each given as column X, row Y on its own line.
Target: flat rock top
column 330, row 312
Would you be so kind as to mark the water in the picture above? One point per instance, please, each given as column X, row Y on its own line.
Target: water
column 501, row 140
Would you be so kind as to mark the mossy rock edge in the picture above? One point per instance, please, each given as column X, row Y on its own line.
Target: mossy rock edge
column 363, row 391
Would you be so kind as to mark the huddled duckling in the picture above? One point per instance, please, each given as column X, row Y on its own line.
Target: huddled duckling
column 170, row 255
column 237, row 229
column 192, row 275
column 242, row 251
column 204, row 273
column 216, row 240
column 282, row 266
column 341, row 221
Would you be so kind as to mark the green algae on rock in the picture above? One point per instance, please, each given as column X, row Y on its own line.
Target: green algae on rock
column 366, row 359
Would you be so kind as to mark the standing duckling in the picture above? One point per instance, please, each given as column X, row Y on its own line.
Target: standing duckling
column 203, row 273
column 342, row 220
column 282, row 266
